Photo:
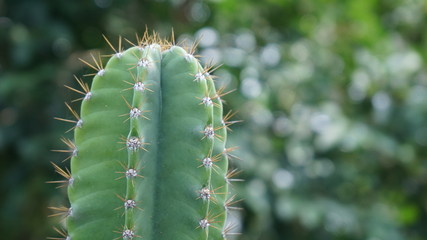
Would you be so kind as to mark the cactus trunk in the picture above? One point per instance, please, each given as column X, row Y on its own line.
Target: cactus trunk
column 148, row 158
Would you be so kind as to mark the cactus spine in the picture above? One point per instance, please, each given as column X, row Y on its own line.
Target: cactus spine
column 148, row 158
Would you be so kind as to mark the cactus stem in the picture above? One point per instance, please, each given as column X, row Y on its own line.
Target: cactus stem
column 64, row 173
column 152, row 70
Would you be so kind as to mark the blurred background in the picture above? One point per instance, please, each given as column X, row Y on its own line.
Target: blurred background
column 333, row 95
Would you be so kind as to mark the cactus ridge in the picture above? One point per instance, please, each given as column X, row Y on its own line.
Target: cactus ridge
column 149, row 157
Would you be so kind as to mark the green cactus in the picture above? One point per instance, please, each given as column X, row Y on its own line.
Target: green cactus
column 148, row 158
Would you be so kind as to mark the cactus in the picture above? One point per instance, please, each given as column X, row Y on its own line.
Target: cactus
column 148, row 158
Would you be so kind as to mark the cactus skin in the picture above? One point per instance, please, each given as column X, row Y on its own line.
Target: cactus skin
column 147, row 125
